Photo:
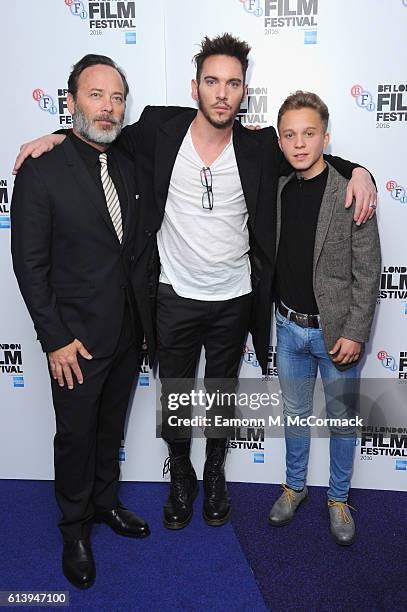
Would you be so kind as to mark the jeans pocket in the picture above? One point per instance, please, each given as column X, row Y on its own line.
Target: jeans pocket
column 281, row 321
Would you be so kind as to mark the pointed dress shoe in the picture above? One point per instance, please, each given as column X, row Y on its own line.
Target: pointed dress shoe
column 78, row 564
column 124, row 522
column 284, row 508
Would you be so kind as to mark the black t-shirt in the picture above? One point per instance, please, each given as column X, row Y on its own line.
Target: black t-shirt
column 300, row 204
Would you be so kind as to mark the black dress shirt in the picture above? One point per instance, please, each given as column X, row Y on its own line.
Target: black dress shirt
column 90, row 156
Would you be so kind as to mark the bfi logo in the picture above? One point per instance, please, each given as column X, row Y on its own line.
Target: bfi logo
column 77, row 8
column 363, row 98
column 396, row 191
column 47, row 104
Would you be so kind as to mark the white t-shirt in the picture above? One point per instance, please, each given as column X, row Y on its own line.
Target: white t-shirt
column 204, row 253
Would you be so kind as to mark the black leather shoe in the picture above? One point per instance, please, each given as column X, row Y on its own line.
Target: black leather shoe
column 124, row 522
column 78, row 564
column 216, row 509
column 184, row 487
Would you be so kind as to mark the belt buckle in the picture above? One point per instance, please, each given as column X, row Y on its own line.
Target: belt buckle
column 302, row 319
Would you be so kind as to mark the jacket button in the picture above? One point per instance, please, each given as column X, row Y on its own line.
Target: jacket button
column 148, row 233
column 132, row 257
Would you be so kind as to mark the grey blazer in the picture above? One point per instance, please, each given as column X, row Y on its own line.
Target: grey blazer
column 347, row 265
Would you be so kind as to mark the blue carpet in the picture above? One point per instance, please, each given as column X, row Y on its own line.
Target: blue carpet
column 196, row 569
column 299, row 568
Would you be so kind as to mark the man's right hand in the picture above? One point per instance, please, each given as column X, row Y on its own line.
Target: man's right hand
column 36, row 148
column 64, row 363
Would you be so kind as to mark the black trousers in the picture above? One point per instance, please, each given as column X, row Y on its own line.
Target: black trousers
column 90, row 422
column 184, row 326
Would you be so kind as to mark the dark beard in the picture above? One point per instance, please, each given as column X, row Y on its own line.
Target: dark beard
column 216, row 124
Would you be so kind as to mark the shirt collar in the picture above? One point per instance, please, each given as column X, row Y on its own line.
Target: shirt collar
column 321, row 177
column 89, row 154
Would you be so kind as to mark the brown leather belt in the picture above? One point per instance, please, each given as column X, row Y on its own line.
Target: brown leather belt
column 303, row 320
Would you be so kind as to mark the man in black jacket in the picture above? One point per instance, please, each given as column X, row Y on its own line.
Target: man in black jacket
column 75, row 215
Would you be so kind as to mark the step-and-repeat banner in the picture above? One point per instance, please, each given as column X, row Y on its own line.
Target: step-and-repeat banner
column 353, row 54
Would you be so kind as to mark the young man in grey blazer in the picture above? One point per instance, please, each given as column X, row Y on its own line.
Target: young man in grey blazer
column 327, row 276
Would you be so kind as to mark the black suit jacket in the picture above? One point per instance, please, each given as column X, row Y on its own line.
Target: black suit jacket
column 155, row 141
column 71, row 268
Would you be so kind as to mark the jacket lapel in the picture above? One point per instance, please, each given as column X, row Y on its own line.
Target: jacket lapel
column 129, row 188
column 325, row 212
column 169, row 139
column 248, row 151
column 82, row 177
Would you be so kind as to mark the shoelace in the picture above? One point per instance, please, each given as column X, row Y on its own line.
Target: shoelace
column 289, row 493
column 214, row 474
column 168, row 463
column 342, row 511
column 216, row 461
column 166, row 466
column 214, row 481
column 177, row 482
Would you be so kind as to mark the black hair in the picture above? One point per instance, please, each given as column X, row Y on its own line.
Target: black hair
column 226, row 44
column 93, row 60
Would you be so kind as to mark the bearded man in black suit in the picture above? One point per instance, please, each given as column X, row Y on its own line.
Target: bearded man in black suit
column 80, row 232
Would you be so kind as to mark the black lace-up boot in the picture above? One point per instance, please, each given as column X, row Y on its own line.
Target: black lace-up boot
column 216, row 510
column 184, row 486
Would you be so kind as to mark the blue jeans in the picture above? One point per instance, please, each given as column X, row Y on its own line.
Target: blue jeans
column 300, row 352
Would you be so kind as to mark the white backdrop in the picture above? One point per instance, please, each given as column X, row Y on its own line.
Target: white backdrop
column 352, row 54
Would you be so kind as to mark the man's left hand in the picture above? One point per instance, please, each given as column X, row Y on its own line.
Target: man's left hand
column 347, row 351
column 362, row 189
